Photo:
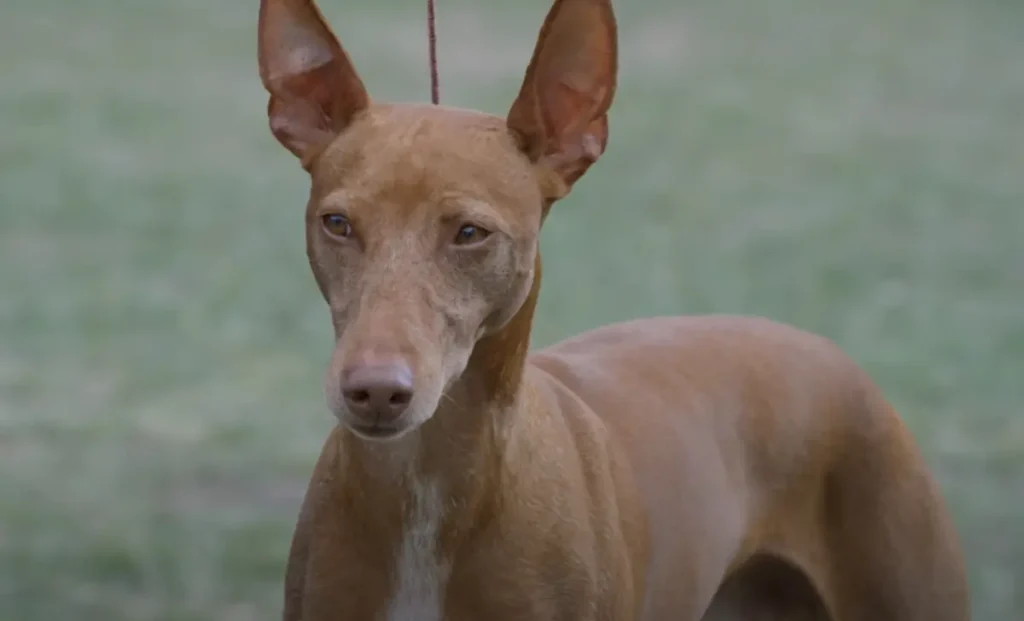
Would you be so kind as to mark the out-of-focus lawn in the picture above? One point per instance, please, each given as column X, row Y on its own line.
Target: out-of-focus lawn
column 854, row 167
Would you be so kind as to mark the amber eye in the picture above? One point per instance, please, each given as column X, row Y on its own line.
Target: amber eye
column 470, row 234
column 337, row 225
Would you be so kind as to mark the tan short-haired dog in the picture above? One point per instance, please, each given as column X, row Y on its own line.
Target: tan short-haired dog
column 668, row 469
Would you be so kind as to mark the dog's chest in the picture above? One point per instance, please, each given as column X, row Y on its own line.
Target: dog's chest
column 420, row 573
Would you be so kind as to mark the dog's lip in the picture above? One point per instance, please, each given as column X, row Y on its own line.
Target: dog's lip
column 374, row 431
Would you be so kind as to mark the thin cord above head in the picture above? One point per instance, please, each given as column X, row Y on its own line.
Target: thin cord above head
column 435, row 90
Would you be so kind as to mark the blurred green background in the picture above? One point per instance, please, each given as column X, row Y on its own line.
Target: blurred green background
column 853, row 167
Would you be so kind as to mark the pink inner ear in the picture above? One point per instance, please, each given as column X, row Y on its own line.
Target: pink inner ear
column 569, row 106
column 578, row 151
column 315, row 91
column 569, row 86
column 308, row 109
column 302, row 53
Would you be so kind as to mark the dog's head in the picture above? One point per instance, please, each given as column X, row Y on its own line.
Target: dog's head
column 422, row 221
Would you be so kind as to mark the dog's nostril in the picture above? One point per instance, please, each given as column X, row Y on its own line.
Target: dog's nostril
column 358, row 396
column 400, row 397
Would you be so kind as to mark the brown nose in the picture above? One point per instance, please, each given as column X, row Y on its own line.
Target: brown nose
column 378, row 393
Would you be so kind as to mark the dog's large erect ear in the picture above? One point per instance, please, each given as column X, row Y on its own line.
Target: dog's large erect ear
column 314, row 89
column 561, row 114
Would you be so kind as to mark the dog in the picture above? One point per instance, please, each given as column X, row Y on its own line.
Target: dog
column 663, row 469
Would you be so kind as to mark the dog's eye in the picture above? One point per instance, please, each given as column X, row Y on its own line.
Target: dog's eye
column 470, row 234
column 337, row 225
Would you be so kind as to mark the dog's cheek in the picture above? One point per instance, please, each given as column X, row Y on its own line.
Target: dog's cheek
column 508, row 286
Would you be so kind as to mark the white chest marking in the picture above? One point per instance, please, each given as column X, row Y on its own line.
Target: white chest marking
column 420, row 573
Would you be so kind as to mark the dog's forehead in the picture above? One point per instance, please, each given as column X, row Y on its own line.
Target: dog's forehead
column 426, row 151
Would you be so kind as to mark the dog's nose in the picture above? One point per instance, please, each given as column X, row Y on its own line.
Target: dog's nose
column 378, row 393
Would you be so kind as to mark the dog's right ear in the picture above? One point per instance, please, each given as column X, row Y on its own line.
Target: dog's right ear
column 314, row 89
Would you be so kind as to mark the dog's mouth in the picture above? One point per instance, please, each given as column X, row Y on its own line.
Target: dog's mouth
column 376, row 431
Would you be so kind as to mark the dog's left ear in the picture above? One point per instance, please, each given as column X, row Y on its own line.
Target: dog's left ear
column 561, row 114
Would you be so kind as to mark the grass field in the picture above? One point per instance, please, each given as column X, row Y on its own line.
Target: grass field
column 853, row 167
